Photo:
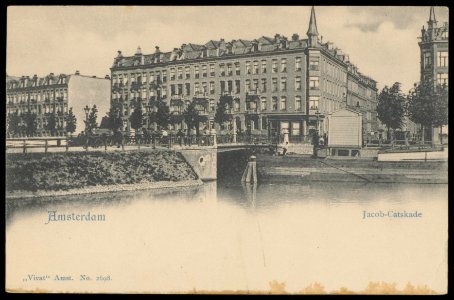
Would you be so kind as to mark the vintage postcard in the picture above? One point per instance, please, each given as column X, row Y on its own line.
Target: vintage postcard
column 227, row 149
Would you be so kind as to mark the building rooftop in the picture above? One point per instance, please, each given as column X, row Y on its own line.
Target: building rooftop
column 14, row 82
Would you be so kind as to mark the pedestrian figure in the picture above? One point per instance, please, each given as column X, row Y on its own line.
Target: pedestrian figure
column 285, row 148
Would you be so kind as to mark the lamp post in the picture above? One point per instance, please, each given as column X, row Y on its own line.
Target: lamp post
column 87, row 111
column 316, row 138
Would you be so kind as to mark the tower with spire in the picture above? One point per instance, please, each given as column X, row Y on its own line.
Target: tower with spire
column 434, row 54
column 312, row 32
column 434, row 50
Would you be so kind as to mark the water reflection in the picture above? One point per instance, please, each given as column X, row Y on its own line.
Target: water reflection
column 234, row 237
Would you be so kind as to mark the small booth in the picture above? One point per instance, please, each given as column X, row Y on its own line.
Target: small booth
column 345, row 133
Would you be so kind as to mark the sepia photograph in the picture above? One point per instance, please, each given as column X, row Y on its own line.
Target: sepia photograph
column 226, row 149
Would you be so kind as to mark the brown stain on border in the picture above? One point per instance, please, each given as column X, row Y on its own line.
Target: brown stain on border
column 278, row 288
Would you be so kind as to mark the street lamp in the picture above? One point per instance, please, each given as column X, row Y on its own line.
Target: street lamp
column 87, row 111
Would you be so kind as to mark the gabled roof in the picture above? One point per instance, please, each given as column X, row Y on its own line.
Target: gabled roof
column 264, row 40
column 212, row 44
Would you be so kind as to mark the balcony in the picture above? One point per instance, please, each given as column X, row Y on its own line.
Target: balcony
column 176, row 97
column 200, row 94
column 252, row 111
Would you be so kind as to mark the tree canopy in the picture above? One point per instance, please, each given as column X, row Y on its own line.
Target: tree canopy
column 428, row 105
column 391, row 106
column 71, row 121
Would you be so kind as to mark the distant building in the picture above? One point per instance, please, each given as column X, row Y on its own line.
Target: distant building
column 56, row 94
column 434, row 49
column 277, row 84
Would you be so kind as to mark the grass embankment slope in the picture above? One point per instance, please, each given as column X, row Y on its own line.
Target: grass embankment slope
column 77, row 170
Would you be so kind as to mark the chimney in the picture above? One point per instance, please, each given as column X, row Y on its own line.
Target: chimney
column 295, row 37
column 51, row 74
column 94, row 76
column 77, row 72
column 107, row 77
column 157, row 49
column 119, row 53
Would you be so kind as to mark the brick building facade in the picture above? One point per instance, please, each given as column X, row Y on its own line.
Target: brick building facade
column 277, row 84
column 56, row 94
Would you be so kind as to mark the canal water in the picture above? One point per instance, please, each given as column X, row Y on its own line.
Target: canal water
column 231, row 237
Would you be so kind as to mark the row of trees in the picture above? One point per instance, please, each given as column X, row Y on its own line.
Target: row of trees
column 27, row 124
column 162, row 116
column 425, row 104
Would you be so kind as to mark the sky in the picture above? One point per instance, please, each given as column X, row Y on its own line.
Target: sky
column 381, row 41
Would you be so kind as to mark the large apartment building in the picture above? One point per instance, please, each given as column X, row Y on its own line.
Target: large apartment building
column 55, row 95
column 277, row 83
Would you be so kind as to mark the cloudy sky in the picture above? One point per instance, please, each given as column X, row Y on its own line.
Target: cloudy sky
column 381, row 41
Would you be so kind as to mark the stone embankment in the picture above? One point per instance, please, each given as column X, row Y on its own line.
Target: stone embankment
column 303, row 168
column 46, row 174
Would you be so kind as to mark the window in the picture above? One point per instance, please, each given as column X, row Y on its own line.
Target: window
column 274, row 84
column 248, row 67
column 298, row 84
column 164, row 76
column 442, row 78
column 283, row 103
column 196, row 72
column 427, row 59
column 204, row 71
column 263, row 85
column 263, row 103
column 212, row 87
column 313, row 83
column 188, row 88
column 164, row 92
column 298, row 64
column 296, row 128
column 248, row 85
column 237, row 104
column 229, row 86
column 172, row 74
column 263, row 66
column 442, row 59
column 144, row 78
column 274, row 102
column 180, row 89
column 298, row 103
column 204, row 88
column 196, row 88
column 256, row 67
column 274, row 66
column 222, row 69
column 255, row 86
column 237, row 68
column 187, row 71
column 313, row 65
column 313, row 102
column 180, row 73
column 212, row 105
column 172, row 89
column 283, row 84
column 445, row 35
column 229, row 70
column 222, row 87
column 284, row 65
column 212, row 74
column 237, row 86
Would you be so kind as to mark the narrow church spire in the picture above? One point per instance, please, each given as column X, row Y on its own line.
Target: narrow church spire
column 312, row 32
column 432, row 19
column 312, row 24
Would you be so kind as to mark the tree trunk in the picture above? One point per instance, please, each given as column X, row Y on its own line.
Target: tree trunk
column 432, row 137
column 423, row 133
column 441, row 135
